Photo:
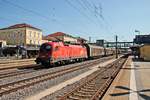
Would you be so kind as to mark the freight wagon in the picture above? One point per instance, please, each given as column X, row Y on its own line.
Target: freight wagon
column 94, row 51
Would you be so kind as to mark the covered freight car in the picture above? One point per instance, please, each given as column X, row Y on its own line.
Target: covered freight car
column 94, row 51
column 109, row 51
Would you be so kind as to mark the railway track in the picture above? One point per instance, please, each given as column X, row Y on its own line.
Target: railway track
column 15, row 64
column 14, row 86
column 95, row 85
column 16, row 61
column 19, row 66
column 15, row 73
column 20, row 72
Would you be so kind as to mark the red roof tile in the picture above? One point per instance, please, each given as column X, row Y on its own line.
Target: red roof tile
column 57, row 34
column 49, row 38
column 60, row 34
column 20, row 26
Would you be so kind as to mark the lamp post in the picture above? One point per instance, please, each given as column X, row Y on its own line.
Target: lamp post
column 116, row 38
column 137, row 31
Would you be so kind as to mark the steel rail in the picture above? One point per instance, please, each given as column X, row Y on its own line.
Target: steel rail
column 76, row 92
column 14, row 86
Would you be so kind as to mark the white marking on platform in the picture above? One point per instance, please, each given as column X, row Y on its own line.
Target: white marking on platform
column 64, row 84
column 133, row 91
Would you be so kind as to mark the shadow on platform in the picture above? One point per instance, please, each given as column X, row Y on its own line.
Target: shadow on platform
column 139, row 60
column 139, row 92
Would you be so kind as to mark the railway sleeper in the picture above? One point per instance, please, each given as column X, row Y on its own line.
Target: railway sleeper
column 23, row 83
column 17, row 85
column 11, row 87
column 87, row 90
column 84, row 92
column 82, row 96
column 86, row 87
column 5, row 89
column 72, row 98
column 89, row 85
column 2, row 91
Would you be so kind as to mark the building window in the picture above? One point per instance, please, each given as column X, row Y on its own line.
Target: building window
column 33, row 42
column 34, row 34
column 14, row 35
column 30, row 41
column 30, row 33
column 20, row 34
column 38, row 35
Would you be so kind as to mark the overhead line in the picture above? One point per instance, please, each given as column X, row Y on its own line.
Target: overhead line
column 99, row 14
column 28, row 10
column 77, row 9
column 33, row 12
column 6, row 19
column 91, row 10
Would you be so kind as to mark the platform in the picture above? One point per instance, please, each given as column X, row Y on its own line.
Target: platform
column 132, row 82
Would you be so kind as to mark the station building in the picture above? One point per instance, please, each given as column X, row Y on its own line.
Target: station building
column 49, row 39
column 63, row 37
column 21, row 34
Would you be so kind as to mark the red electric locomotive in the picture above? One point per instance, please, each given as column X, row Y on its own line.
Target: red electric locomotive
column 57, row 52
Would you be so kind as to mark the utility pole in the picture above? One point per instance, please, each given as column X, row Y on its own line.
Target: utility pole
column 116, row 37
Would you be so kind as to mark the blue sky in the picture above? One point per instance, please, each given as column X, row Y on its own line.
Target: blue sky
column 98, row 19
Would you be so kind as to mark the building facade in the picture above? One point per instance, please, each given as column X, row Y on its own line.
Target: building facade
column 142, row 39
column 21, row 34
column 2, row 43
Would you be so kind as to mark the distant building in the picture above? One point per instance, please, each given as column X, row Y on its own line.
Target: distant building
column 63, row 37
column 21, row 34
column 81, row 40
column 49, row 38
column 142, row 39
column 100, row 42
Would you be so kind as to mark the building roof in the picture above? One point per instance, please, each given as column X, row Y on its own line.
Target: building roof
column 22, row 25
column 80, row 38
column 49, row 38
column 59, row 34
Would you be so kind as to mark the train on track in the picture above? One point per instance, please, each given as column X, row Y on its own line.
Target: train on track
column 58, row 52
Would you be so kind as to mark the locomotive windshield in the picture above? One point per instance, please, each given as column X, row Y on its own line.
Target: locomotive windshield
column 45, row 47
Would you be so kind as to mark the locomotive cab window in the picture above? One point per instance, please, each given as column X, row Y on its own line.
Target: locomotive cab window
column 48, row 48
column 45, row 47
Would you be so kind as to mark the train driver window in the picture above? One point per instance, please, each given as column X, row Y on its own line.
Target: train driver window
column 48, row 48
